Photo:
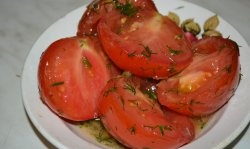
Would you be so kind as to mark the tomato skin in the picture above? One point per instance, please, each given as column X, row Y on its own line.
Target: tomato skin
column 211, row 44
column 207, row 83
column 138, row 121
column 69, row 78
column 142, row 48
column 99, row 8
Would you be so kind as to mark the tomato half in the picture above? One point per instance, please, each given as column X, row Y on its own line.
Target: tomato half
column 138, row 121
column 71, row 74
column 99, row 8
column 146, row 44
column 207, row 83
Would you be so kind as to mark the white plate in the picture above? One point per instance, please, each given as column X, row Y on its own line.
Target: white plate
column 226, row 125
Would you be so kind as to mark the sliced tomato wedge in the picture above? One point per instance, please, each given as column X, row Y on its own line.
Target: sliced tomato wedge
column 100, row 8
column 138, row 121
column 207, row 83
column 71, row 74
column 146, row 44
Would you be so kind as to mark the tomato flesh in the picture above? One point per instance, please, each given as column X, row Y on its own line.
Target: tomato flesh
column 69, row 78
column 147, row 44
column 207, row 83
column 137, row 121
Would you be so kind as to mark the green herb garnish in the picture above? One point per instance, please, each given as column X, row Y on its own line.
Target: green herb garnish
column 193, row 102
column 122, row 101
column 132, row 54
column 171, row 69
column 162, row 128
column 130, row 87
column 95, row 7
column 228, row 69
column 110, row 90
column 83, row 43
column 127, row 9
column 151, row 94
column 86, row 62
column 57, row 84
column 147, row 52
column 132, row 129
column 174, row 52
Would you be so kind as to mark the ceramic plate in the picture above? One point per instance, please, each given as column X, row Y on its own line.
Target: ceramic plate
column 224, row 127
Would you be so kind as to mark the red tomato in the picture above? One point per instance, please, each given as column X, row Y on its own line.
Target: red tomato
column 71, row 74
column 146, row 44
column 207, row 83
column 211, row 44
column 99, row 8
column 137, row 121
